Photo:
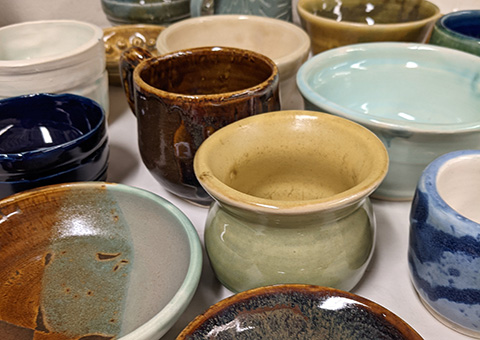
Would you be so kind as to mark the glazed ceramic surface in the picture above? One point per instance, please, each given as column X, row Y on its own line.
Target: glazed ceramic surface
column 278, row 9
column 151, row 12
column 458, row 30
column 53, row 56
column 297, row 312
column 285, row 43
column 48, row 139
column 406, row 94
column 444, row 250
column 118, row 39
column 183, row 97
column 332, row 23
column 291, row 191
column 94, row 261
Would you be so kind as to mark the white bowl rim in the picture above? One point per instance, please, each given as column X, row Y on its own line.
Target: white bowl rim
column 303, row 38
column 348, row 24
column 379, row 122
column 97, row 38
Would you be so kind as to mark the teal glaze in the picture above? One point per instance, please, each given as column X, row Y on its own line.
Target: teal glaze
column 247, row 251
column 89, row 264
column 458, row 30
column 278, row 9
column 153, row 12
column 420, row 100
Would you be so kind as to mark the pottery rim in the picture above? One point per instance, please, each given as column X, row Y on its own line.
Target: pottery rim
column 224, row 304
column 163, row 320
column 442, row 23
column 377, row 121
column 96, row 38
column 139, row 82
column 282, row 62
column 235, row 198
column 349, row 24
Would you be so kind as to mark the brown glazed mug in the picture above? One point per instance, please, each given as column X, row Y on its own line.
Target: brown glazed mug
column 181, row 98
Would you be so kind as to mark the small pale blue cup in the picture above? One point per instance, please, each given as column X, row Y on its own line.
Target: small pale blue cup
column 444, row 245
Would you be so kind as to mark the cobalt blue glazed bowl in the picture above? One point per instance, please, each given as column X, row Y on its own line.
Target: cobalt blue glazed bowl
column 444, row 246
column 48, row 139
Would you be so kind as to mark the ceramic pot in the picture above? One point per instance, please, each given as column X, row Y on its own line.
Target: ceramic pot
column 49, row 139
column 332, row 23
column 183, row 97
column 278, row 9
column 444, row 248
column 458, row 30
column 291, row 199
column 283, row 42
column 150, row 12
column 53, row 56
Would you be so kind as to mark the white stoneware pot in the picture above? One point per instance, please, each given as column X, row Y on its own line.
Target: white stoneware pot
column 53, row 56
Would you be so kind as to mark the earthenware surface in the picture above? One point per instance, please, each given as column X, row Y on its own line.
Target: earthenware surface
column 53, row 56
column 406, row 94
column 150, row 12
column 117, row 39
column 331, row 23
column 291, row 191
column 285, row 43
column 458, row 30
column 47, row 139
column 444, row 250
column 183, row 97
column 278, row 9
column 100, row 261
column 297, row 312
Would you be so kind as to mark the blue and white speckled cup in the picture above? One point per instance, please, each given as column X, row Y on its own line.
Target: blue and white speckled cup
column 444, row 246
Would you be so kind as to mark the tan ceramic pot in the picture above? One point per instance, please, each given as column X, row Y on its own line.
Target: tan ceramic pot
column 332, row 24
column 292, row 206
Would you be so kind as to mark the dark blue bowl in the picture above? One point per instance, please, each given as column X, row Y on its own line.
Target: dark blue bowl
column 48, row 139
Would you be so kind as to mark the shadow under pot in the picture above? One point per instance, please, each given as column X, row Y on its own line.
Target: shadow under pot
column 49, row 139
column 181, row 98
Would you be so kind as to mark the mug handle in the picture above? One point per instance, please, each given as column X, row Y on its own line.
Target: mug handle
column 129, row 59
column 201, row 7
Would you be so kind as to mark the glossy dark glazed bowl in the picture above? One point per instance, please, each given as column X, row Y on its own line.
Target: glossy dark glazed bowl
column 47, row 139
column 297, row 312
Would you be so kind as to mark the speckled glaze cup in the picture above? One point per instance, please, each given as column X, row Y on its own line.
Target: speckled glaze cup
column 332, row 23
column 458, row 30
column 444, row 248
column 181, row 98
column 291, row 195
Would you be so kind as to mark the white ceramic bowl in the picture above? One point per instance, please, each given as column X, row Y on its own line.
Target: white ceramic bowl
column 53, row 56
column 283, row 42
column 421, row 101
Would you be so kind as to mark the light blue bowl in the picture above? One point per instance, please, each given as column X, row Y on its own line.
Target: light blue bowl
column 444, row 247
column 421, row 100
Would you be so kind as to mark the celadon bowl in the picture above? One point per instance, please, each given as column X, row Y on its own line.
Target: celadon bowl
column 283, row 42
column 94, row 260
column 421, row 100
column 297, row 312
column 291, row 195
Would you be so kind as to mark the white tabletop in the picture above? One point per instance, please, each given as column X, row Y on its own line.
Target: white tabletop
column 385, row 282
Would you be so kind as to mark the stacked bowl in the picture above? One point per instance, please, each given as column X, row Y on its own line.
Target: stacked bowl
column 47, row 139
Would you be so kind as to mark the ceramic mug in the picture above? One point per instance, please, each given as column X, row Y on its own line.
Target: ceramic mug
column 54, row 56
column 458, row 30
column 279, row 9
column 181, row 98
column 444, row 246
column 332, row 23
